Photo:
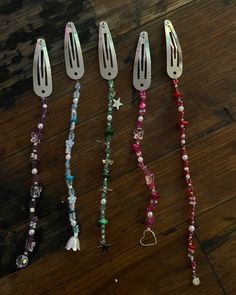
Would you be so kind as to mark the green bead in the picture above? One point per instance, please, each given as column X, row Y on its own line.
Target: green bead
column 103, row 221
column 105, row 173
column 104, row 195
column 109, row 131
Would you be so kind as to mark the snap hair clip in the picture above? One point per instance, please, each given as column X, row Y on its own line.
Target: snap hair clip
column 42, row 83
column 141, row 82
column 174, row 67
column 109, row 70
column 75, row 70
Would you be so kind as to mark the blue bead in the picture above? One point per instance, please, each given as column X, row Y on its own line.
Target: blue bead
column 69, row 177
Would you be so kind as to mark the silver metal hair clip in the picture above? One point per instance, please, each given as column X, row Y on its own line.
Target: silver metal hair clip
column 73, row 53
column 75, row 70
column 42, row 83
column 106, row 53
column 174, row 60
column 42, row 77
column 142, row 64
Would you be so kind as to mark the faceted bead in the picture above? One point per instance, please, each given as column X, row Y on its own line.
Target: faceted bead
column 69, row 177
column 105, row 173
column 22, row 261
column 30, row 244
column 191, row 246
column 177, row 94
column 103, row 221
column 109, row 132
column 136, row 147
column 183, row 123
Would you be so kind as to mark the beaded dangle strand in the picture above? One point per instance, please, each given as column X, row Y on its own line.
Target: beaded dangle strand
column 148, row 175
column 109, row 70
column 141, row 82
column 174, row 66
column 182, row 124
column 42, row 82
column 73, row 242
column 36, row 189
column 107, row 162
column 75, row 70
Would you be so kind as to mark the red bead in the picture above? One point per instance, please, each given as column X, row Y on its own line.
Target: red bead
column 177, row 94
column 192, row 246
column 183, row 123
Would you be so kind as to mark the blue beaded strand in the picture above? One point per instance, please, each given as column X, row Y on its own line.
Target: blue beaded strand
column 73, row 242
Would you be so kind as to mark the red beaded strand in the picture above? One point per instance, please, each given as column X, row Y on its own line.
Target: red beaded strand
column 149, row 177
column 182, row 124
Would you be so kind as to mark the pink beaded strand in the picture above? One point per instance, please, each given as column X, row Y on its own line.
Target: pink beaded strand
column 182, row 124
column 148, row 175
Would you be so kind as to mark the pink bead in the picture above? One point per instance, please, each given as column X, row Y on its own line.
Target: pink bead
column 142, row 105
column 136, row 147
column 150, row 221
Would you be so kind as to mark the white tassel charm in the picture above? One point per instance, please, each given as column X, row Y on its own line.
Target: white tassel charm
column 73, row 243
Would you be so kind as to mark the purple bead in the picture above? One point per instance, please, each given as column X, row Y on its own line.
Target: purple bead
column 30, row 244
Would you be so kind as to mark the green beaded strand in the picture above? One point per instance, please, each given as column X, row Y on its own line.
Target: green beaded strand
column 106, row 163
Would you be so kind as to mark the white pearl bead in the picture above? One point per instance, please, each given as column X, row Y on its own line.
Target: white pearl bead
column 181, row 108
column 183, row 136
column 196, row 281
column 185, row 157
column 187, row 176
column 45, row 105
column 75, row 100
column 150, row 214
column 140, row 159
column 34, row 171
column 72, row 126
column 68, row 157
column 109, row 117
column 140, row 118
column 182, row 141
column 31, row 232
column 73, row 222
column 186, row 169
column 40, row 126
column 32, row 210
column 103, row 201
column 191, row 228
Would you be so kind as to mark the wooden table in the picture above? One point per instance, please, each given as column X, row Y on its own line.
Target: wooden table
column 207, row 31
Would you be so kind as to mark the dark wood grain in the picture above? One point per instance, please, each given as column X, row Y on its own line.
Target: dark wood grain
column 207, row 31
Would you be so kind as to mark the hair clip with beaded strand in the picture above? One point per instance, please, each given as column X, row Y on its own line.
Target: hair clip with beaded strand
column 109, row 70
column 75, row 70
column 141, row 82
column 174, row 67
column 42, row 84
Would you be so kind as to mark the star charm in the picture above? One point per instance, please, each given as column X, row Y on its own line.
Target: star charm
column 117, row 104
